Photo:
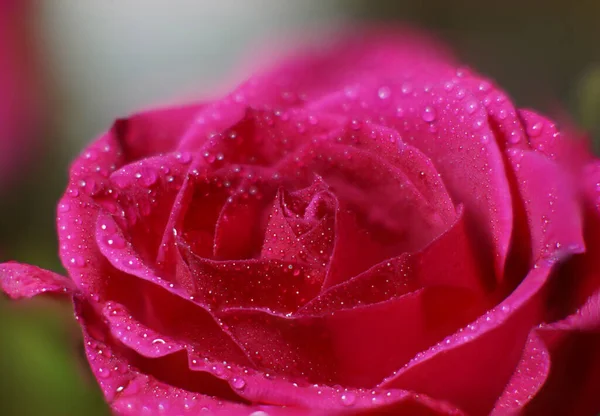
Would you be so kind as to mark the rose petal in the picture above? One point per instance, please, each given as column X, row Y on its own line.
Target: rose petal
column 77, row 211
column 397, row 219
column 572, row 367
column 155, row 131
column 240, row 228
column 348, row 56
column 145, row 195
column 449, row 261
column 276, row 285
column 478, row 351
column 550, row 199
column 201, row 207
column 25, row 281
column 132, row 391
column 137, row 385
column 325, row 400
column 388, row 143
column 528, row 377
column 357, row 346
column 293, row 237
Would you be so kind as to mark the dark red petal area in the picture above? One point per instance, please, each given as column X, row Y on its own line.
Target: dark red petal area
column 240, row 227
column 25, row 281
column 203, row 203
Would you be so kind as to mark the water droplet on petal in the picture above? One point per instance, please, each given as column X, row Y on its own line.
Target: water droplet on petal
column 115, row 241
column 429, row 114
column 384, row 93
column 238, row 383
column 535, row 130
column 348, row 399
column 472, row 107
column 64, row 207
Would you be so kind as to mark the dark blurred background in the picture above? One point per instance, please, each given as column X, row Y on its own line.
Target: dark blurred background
column 69, row 67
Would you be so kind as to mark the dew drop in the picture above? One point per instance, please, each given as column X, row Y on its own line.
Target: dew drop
column 429, row 114
column 103, row 373
column 78, row 261
column 514, row 137
column 535, row 130
column 64, row 207
column 348, row 399
column 238, row 383
column 471, row 107
column 183, row 157
column 384, row 93
column 115, row 241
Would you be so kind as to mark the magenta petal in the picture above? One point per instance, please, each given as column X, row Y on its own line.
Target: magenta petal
column 145, row 194
column 478, row 351
column 559, row 371
column 145, row 395
column 277, row 285
column 358, row 346
column 387, row 143
column 130, row 391
column 25, row 281
column 290, row 236
column 448, row 261
column 155, row 131
column 550, row 197
column 239, row 230
column 573, row 345
column 326, row 400
column 527, row 379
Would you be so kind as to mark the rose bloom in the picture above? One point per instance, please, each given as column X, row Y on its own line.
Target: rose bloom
column 367, row 228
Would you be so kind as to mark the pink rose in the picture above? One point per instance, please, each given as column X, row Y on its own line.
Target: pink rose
column 368, row 227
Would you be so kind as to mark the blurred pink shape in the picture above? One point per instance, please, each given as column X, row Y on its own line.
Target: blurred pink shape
column 18, row 91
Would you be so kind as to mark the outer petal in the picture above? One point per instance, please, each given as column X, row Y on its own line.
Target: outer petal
column 25, row 281
column 155, row 131
column 161, row 383
column 131, row 391
column 559, row 372
column 479, row 351
column 551, row 203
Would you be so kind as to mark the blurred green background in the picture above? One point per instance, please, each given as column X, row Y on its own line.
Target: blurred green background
column 96, row 60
